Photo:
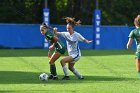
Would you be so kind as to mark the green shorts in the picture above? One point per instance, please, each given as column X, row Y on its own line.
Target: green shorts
column 137, row 55
column 61, row 51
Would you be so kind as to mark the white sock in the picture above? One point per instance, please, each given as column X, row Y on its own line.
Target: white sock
column 65, row 70
column 77, row 73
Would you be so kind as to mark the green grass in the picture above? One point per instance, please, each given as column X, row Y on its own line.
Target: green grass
column 105, row 71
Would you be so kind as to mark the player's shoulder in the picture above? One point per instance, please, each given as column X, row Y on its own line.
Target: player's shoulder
column 76, row 33
column 138, row 29
column 135, row 30
column 49, row 32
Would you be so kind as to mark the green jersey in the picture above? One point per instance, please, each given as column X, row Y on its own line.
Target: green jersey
column 135, row 34
column 59, row 46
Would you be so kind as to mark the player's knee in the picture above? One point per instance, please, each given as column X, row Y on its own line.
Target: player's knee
column 62, row 62
column 51, row 62
column 71, row 69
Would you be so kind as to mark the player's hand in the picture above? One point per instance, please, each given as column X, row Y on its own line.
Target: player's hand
column 89, row 41
column 55, row 29
column 128, row 46
column 51, row 48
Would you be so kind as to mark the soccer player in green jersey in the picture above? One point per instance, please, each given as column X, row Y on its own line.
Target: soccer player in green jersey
column 135, row 34
column 56, row 45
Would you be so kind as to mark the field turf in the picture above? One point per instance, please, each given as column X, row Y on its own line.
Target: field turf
column 105, row 71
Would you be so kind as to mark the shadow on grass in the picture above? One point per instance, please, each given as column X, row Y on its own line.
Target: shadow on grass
column 26, row 91
column 43, row 52
column 17, row 77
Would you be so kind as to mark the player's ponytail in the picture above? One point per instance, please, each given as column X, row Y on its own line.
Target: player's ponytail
column 71, row 21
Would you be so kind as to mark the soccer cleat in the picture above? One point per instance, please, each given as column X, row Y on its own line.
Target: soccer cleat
column 55, row 78
column 66, row 78
column 50, row 77
column 81, row 78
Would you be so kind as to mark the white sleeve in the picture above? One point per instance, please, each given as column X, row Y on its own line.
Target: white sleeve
column 80, row 37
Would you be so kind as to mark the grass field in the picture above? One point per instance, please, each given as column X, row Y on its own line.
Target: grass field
column 104, row 71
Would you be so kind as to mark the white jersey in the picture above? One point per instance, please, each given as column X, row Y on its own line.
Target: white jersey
column 72, row 42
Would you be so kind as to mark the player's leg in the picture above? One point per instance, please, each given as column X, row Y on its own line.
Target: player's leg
column 52, row 60
column 138, row 62
column 65, row 60
column 49, row 54
column 75, row 71
column 138, row 66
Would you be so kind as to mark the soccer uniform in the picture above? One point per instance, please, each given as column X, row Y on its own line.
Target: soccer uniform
column 135, row 34
column 72, row 44
column 59, row 46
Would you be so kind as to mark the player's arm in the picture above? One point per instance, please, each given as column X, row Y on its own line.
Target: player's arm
column 63, row 34
column 55, row 39
column 81, row 38
column 87, row 41
column 131, row 37
column 51, row 48
column 56, row 32
column 129, row 43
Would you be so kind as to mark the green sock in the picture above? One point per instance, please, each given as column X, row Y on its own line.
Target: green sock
column 53, row 69
column 139, row 74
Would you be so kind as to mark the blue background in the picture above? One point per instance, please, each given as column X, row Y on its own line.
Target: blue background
column 29, row 36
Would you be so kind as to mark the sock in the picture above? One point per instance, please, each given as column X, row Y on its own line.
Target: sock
column 53, row 69
column 139, row 74
column 77, row 73
column 65, row 70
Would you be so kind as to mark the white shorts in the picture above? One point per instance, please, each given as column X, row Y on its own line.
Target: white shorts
column 75, row 57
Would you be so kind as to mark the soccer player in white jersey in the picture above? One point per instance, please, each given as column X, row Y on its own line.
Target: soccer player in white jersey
column 72, row 38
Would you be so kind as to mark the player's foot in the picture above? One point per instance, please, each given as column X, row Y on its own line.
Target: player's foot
column 66, row 78
column 81, row 78
column 50, row 77
column 55, row 78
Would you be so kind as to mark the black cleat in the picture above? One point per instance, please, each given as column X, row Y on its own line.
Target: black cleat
column 55, row 78
column 81, row 78
column 50, row 77
column 66, row 78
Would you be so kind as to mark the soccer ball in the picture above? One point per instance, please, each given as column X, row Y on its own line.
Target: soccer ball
column 43, row 77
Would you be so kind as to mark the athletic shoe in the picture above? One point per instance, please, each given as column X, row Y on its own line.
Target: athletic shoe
column 50, row 77
column 81, row 78
column 66, row 78
column 55, row 78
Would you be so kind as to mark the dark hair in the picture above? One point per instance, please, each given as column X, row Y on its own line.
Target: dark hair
column 71, row 21
column 44, row 25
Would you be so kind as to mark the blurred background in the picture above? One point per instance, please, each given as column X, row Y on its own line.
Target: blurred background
column 106, row 22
